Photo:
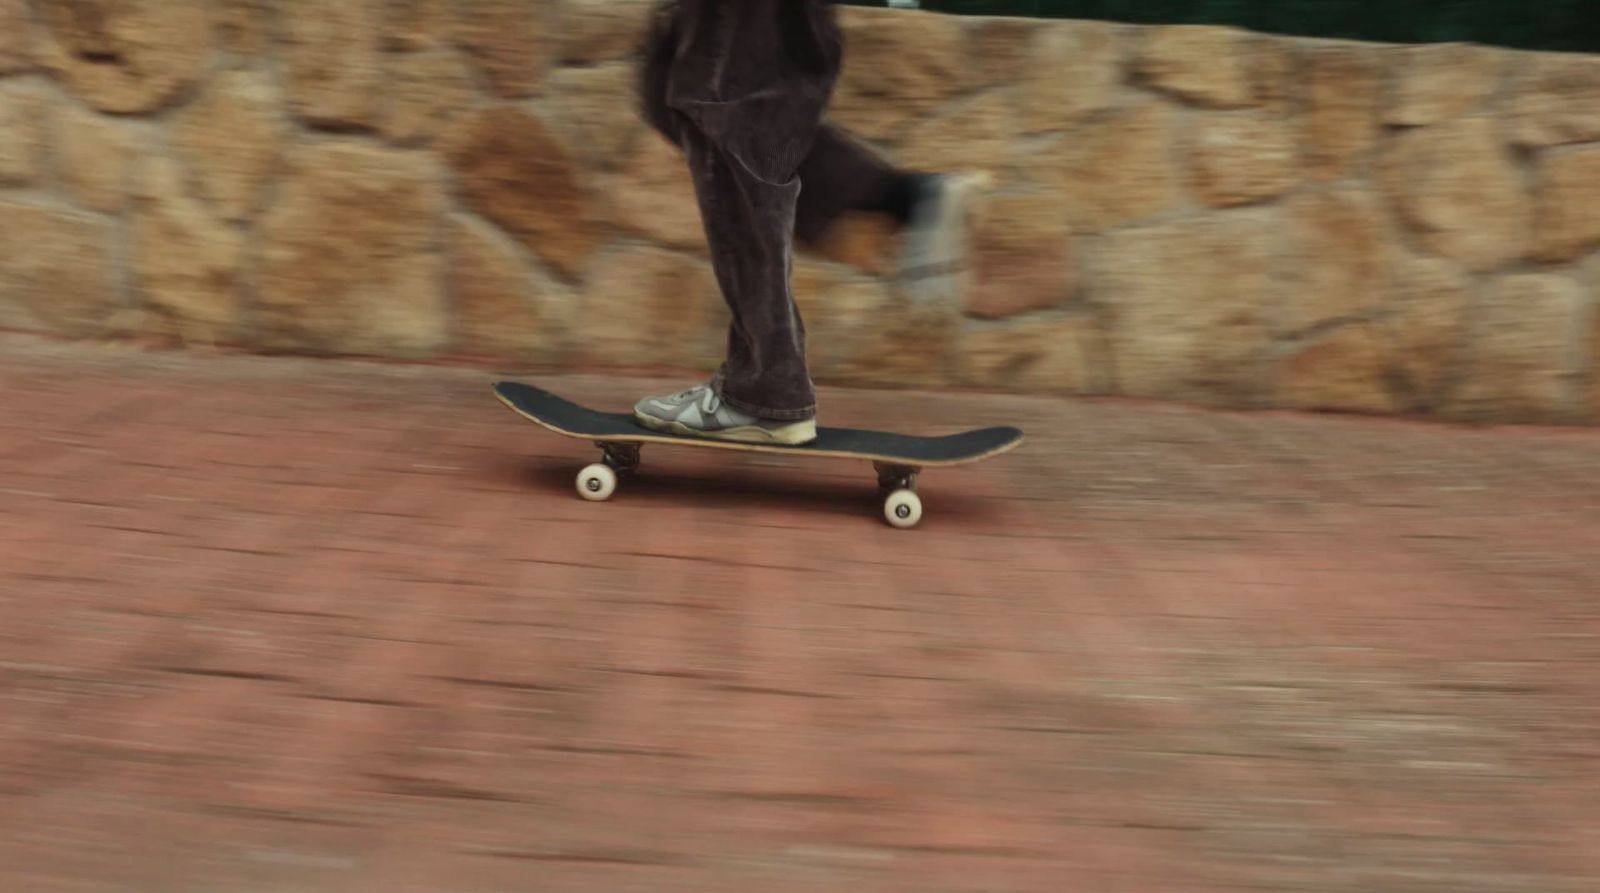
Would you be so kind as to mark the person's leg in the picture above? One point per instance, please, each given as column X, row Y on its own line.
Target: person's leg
column 742, row 96
column 840, row 175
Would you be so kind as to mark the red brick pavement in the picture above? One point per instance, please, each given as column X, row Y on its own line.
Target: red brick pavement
column 272, row 625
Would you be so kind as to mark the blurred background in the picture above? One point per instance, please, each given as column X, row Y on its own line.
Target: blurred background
column 1293, row 586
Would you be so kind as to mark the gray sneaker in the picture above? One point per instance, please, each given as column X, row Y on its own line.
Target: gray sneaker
column 698, row 412
column 935, row 240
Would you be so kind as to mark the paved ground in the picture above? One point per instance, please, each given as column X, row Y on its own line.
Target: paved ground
column 272, row 625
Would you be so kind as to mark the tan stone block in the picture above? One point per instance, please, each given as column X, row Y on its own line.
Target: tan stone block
column 332, row 60
column 186, row 260
column 1436, row 82
column 1062, row 356
column 1567, row 205
column 1277, row 82
column 650, row 307
column 1339, row 256
column 413, row 25
column 97, row 157
column 1118, row 170
column 898, row 66
column 427, row 92
column 127, row 56
column 1238, row 158
column 1556, row 98
column 1023, row 249
column 1202, row 64
column 24, row 135
column 595, row 108
column 1000, row 49
column 514, row 170
column 595, row 31
column 652, row 194
column 1072, row 71
column 975, row 136
column 65, row 282
column 233, row 139
column 350, row 260
column 1425, row 325
column 1187, row 304
column 243, row 26
column 1521, row 359
column 509, row 40
column 1457, row 185
column 502, row 308
column 1342, row 370
column 1340, row 119
column 16, row 37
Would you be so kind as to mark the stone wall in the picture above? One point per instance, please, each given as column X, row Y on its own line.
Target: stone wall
column 1191, row 213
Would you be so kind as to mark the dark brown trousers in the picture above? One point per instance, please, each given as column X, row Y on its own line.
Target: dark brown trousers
column 742, row 86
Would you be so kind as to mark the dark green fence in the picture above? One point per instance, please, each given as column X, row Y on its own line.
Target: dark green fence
column 1572, row 25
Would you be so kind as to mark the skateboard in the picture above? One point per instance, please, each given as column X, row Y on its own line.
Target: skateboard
column 897, row 458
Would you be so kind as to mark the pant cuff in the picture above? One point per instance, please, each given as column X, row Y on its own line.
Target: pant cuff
column 762, row 412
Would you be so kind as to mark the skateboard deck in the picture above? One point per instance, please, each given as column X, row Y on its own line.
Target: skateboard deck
column 898, row 458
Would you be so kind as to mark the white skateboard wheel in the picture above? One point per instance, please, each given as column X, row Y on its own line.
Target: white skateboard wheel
column 902, row 509
column 597, row 482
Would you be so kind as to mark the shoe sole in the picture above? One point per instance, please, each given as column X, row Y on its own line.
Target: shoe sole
column 789, row 436
column 942, row 255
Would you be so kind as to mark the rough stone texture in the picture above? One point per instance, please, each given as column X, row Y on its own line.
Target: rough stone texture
column 1456, row 184
column 1567, row 205
column 332, row 60
column 1237, row 158
column 651, row 194
column 1342, row 370
column 596, row 106
column 1003, row 50
column 64, row 282
column 16, row 37
column 1524, row 355
column 1117, row 172
column 185, row 260
column 1340, row 121
column 502, row 309
column 1338, row 257
column 1424, row 324
column 1433, row 83
column 898, row 66
column 1556, row 99
column 1062, row 356
column 414, row 25
column 232, row 139
column 1276, row 79
column 602, row 30
column 1331, row 210
column 98, row 158
column 1202, row 64
column 243, row 27
column 508, row 41
column 1187, row 304
column 975, row 136
column 918, row 349
column 675, row 295
column 426, row 92
column 24, row 143
column 126, row 56
column 1071, row 70
column 351, row 260
column 525, row 178
column 1024, row 256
